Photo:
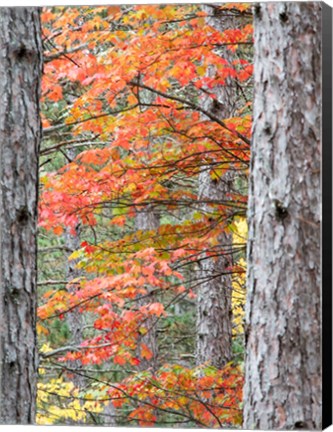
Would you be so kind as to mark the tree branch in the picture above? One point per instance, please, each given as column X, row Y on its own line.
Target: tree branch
column 55, row 56
column 194, row 107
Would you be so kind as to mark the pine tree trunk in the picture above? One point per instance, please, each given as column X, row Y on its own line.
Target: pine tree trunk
column 283, row 365
column 214, row 312
column 20, row 134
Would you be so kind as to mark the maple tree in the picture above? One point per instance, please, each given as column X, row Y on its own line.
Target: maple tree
column 122, row 89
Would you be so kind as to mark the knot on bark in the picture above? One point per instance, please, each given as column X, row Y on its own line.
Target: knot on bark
column 283, row 17
column 22, row 215
column 301, row 425
column 22, row 52
column 281, row 212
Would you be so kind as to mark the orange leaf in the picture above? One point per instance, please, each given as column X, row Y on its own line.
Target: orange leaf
column 117, row 359
column 145, row 352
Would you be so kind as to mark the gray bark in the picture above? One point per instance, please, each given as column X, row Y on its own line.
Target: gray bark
column 20, row 134
column 214, row 312
column 283, row 312
column 74, row 318
column 147, row 220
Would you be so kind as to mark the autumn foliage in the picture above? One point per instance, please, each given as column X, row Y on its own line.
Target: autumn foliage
column 126, row 133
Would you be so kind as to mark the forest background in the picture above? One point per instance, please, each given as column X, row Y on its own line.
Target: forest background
column 142, row 214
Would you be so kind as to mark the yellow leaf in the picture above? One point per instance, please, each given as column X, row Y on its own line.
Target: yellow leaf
column 45, row 348
column 76, row 254
column 42, row 330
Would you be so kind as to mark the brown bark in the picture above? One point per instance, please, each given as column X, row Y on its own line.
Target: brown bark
column 20, row 133
column 283, row 313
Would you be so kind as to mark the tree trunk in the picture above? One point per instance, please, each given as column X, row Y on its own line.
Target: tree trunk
column 20, row 134
column 283, row 314
column 75, row 318
column 147, row 220
column 214, row 312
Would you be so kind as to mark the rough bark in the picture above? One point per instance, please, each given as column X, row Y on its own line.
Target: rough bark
column 214, row 312
column 75, row 317
column 147, row 220
column 283, row 313
column 20, row 134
